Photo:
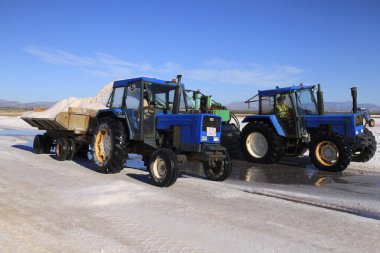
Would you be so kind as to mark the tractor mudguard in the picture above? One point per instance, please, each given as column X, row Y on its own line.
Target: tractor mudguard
column 119, row 114
column 269, row 119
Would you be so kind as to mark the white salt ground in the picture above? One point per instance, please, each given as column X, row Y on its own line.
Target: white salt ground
column 96, row 103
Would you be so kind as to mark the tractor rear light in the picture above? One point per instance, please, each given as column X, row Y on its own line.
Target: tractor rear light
column 204, row 138
column 357, row 132
column 216, row 138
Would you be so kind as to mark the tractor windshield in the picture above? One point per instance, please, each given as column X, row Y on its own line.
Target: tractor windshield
column 306, row 103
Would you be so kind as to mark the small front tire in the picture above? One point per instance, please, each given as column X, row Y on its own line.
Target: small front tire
column 371, row 122
column 330, row 152
column 218, row 170
column 163, row 167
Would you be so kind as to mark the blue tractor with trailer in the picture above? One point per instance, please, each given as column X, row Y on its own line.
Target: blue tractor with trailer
column 291, row 121
column 151, row 117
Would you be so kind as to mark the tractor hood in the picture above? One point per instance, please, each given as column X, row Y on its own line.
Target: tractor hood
column 349, row 125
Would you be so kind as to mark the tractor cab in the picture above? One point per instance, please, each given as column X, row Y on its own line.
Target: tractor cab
column 142, row 99
column 289, row 107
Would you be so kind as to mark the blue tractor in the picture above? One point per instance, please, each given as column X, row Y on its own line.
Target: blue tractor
column 291, row 121
column 367, row 120
column 151, row 117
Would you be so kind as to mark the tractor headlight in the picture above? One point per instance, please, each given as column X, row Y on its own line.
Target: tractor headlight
column 216, row 138
column 204, row 138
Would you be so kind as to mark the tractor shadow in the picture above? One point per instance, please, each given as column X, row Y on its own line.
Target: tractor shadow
column 23, row 147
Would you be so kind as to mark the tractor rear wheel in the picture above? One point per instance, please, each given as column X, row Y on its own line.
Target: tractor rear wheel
column 261, row 144
column 62, row 149
column 110, row 146
column 368, row 151
column 163, row 167
column 231, row 139
column 218, row 170
column 330, row 152
column 371, row 122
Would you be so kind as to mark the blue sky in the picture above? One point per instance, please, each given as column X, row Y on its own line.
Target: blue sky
column 50, row 50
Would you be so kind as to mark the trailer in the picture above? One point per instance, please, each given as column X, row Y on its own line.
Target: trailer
column 69, row 133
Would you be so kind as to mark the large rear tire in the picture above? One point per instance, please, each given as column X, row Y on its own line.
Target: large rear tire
column 163, row 167
column 218, row 170
column 330, row 152
column 110, row 146
column 261, row 144
column 368, row 151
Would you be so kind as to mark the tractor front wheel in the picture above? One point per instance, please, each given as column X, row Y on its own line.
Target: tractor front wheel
column 330, row 152
column 110, row 146
column 163, row 167
column 365, row 154
column 261, row 144
column 371, row 122
column 218, row 170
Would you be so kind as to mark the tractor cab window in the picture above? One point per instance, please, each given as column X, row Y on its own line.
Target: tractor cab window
column 306, row 104
column 267, row 105
column 117, row 98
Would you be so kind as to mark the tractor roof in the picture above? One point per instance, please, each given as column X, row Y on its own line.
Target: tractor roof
column 273, row 92
column 120, row 83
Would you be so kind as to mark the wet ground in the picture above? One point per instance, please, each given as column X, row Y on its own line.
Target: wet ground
column 294, row 179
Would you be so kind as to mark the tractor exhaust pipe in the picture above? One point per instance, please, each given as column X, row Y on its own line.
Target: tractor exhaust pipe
column 177, row 95
column 354, row 94
column 321, row 106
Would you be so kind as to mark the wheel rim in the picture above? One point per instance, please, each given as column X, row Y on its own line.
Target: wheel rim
column 257, row 145
column 327, row 153
column 103, row 145
column 59, row 149
column 159, row 168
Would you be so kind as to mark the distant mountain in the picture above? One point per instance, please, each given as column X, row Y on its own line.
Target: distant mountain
column 15, row 104
column 329, row 106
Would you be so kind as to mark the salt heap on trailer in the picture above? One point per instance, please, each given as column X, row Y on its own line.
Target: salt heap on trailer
column 94, row 103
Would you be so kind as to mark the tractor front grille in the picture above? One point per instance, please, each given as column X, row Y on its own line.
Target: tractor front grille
column 209, row 121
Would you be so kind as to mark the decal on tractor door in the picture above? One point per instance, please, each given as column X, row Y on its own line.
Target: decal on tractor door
column 211, row 131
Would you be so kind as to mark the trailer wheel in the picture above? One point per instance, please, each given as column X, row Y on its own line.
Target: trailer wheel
column 39, row 144
column 62, row 149
column 218, row 170
column 261, row 144
column 371, row 123
column 368, row 151
column 330, row 152
column 72, row 149
column 48, row 142
column 110, row 146
column 163, row 167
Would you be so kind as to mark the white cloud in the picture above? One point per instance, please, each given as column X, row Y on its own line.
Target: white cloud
column 216, row 70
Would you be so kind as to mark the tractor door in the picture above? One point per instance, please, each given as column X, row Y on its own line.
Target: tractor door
column 133, row 103
column 286, row 115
